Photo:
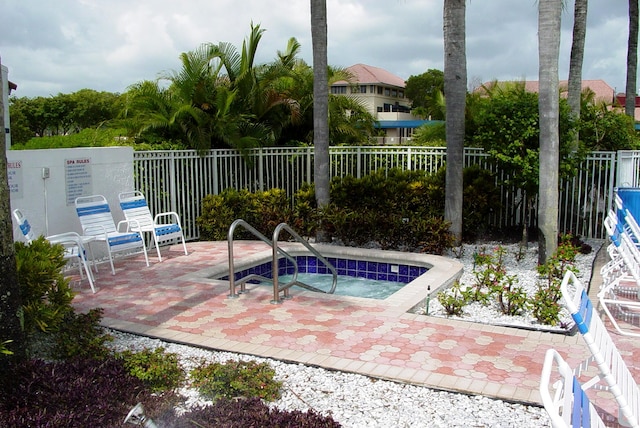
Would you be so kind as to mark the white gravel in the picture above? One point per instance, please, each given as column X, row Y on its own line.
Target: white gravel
column 522, row 263
column 358, row 401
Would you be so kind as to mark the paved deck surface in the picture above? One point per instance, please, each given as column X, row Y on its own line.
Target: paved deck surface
column 345, row 334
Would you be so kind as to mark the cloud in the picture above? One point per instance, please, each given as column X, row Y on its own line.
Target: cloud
column 67, row 45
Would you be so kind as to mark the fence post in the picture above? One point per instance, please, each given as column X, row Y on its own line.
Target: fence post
column 261, row 169
column 172, row 185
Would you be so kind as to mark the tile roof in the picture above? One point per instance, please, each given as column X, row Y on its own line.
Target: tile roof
column 367, row 74
column 601, row 89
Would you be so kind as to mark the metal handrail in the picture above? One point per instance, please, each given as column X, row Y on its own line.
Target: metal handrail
column 294, row 281
column 232, row 271
column 277, row 289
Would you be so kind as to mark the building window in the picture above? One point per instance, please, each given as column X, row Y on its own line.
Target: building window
column 379, row 90
column 338, row 90
column 372, row 89
column 401, row 93
column 394, row 93
column 387, row 92
column 363, row 89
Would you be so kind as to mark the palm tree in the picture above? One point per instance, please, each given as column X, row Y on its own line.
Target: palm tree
column 208, row 109
column 577, row 56
column 632, row 60
column 455, row 90
column 549, row 14
column 320, row 107
column 10, row 304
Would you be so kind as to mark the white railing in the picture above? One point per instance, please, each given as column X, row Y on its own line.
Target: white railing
column 179, row 180
column 628, row 168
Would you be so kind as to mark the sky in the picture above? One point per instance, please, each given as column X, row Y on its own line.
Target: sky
column 62, row 46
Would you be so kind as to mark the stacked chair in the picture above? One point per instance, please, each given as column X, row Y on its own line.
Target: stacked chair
column 612, row 371
column 619, row 295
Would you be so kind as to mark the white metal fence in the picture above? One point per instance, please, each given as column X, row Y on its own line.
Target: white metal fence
column 178, row 180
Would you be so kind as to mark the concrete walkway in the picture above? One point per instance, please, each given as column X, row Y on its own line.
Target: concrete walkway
column 332, row 332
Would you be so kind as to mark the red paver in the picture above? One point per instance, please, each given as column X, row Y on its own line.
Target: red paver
column 161, row 302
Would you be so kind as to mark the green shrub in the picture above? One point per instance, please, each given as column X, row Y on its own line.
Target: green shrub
column 512, row 300
column 219, row 211
column 46, row 294
column 481, row 198
column 272, row 207
column 159, row 370
column 453, row 300
column 262, row 210
column 306, row 218
column 236, row 379
column 397, row 209
column 546, row 302
column 431, row 234
column 3, row 348
column 81, row 335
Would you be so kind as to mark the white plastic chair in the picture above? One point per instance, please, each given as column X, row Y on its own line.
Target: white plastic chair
column 563, row 398
column 164, row 227
column 72, row 242
column 619, row 293
column 613, row 371
column 96, row 220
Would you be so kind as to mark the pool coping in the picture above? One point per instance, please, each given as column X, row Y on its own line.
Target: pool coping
column 442, row 272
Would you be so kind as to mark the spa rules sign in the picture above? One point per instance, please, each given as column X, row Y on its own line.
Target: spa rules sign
column 78, row 178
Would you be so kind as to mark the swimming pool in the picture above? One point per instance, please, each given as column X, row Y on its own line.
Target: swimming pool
column 373, row 279
column 426, row 273
column 348, row 285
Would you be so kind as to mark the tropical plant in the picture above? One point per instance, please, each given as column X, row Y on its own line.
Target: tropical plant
column 507, row 126
column 46, row 294
column 453, row 300
column 81, row 335
column 158, row 369
column 426, row 94
column 234, row 379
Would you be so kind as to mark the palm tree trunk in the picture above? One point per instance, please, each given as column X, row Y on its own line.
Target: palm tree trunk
column 632, row 60
column 577, row 57
column 549, row 50
column 455, row 91
column 320, row 108
column 10, row 303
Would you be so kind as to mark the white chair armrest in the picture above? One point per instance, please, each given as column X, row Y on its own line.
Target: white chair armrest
column 173, row 217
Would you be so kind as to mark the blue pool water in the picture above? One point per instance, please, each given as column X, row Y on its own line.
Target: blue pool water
column 389, row 275
column 348, row 285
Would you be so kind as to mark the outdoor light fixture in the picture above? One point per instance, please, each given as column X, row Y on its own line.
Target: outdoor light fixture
column 137, row 417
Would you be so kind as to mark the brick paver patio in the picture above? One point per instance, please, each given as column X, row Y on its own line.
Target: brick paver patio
column 334, row 332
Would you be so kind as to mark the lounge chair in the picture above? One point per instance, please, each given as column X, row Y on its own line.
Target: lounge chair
column 96, row 220
column 564, row 399
column 619, row 293
column 73, row 244
column 164, row 227
column 613, row 371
